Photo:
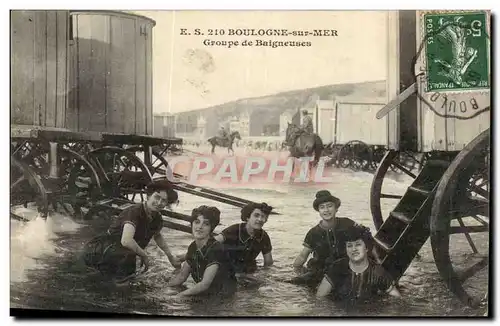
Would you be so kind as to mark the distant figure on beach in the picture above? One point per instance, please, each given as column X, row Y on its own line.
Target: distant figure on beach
column 307, row 123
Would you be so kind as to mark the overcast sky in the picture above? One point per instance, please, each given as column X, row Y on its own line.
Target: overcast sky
column 188, row 75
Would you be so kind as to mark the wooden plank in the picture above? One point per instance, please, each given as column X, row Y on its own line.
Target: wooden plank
column 51, row 65
column 439, row 139
column 394, row 103
column 357, row 121
column 107, row 70
column 408, row 127
column 131, row 139
column 140, row 80
column 48, row 133
column 40, row 67
column 97, row 71
column 466, row 130
column 149, row 80
column 122, row 76
column 62, row 20
column 392, row 86
column 377, row 133
column 22, row 67
column 84, row 29
column 71, row 112
column 326, row 124
column 115, row 92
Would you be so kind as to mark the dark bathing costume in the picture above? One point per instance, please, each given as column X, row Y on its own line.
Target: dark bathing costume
column 243, row 249
column 327, row 248
column 348, row 285
column 212, row 253
column 106, row 253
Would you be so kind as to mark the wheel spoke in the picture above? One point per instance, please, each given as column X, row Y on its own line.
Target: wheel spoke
column 480, row 220
column 391, row 196
column 402, row 168
column 468, row 229
column 473, row 206
column 472, row 270
column 467, row 235
column 483, row 183
column 480, row 191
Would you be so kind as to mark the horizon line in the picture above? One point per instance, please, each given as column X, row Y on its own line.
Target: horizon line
column 260, row 96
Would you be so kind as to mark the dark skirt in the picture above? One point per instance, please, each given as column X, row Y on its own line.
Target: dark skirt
column 107, row 255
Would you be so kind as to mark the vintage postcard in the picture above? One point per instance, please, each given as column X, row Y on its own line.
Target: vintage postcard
column 250, row 163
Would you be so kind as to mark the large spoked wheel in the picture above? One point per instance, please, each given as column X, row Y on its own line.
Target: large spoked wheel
column 27, row 187
column 459, row 222
column 356, row 155
column 80, row 183
column 76, row 184
column 385, row 193
column 159, row 165
column 378, row 153
column 121, row 172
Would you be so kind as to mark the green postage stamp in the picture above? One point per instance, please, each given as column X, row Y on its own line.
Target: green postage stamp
column 457, row 51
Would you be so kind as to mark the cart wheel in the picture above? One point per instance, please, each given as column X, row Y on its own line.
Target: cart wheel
column 81, row 148
column 355, row 154
column 35, row 155
column 345, row 156
column 26, row 186
column 362, row 156
column 80, row 182
column 122, row 174
column 460, row 219
column 410, row 161
column 377, row 156
column 159, row 164
column 390, row 200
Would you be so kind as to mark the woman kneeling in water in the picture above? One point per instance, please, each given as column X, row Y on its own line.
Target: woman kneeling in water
column 114, row 253
column 206, row 260
column 356, row 278
column 245, row 241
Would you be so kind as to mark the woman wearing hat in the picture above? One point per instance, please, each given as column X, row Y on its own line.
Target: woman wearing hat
column 322, row 240
column 114, row 252
column 245, row 241
column 206, row 260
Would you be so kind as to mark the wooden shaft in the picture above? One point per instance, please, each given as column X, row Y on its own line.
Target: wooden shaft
column 53, row 160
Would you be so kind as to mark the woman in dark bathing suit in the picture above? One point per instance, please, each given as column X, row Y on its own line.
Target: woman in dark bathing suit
column 114, row 253
column 245, row 241
column 356, row 278
column 206, row 260
column 322, row 240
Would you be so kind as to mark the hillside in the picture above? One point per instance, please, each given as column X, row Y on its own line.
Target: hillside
column 273, row 105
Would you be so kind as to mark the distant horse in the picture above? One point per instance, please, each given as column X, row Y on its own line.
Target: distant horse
column 304, row 145
column 224, row 142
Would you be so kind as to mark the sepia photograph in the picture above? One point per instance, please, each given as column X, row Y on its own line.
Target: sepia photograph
column 271, row 163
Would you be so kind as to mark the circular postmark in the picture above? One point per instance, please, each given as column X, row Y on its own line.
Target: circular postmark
column 452, row 66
